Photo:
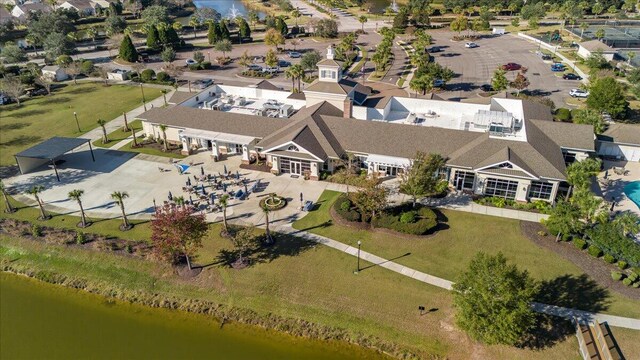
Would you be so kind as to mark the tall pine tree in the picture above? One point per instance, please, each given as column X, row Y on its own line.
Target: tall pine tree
column 214, row 33
column 127, row 50
column 225, row 34
column 153, row 38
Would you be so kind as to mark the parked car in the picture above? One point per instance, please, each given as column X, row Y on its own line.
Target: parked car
column 254, row 67
column 486, row 87
column 294, row 54
column 284, row 63
column 578, row 93
column 543, row 56
column 190, row 62
column 571, row 76
column 271, row 69
column 470, row 45
column 511, row 67
column 435, row 49
column 202, row 83
column 557, row 67
column 258, row 59
column 438, row 83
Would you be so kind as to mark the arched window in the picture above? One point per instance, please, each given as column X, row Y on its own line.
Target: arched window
column 293, row 148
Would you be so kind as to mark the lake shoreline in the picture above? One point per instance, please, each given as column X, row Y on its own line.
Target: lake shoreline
column 219, row 312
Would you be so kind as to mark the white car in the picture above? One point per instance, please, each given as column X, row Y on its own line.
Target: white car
column 271, row 70
column 190, row 61
column 577, row 93
column 470, row 45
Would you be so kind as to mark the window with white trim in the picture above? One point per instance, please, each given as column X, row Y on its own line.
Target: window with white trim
column 540, row 190
column 501, row 188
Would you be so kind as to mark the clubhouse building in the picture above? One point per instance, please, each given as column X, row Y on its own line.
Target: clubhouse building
column 498, row 146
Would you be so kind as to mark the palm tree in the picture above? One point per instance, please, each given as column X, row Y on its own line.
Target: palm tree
column 296, row 14
column 628, row 223
column 164, row 128
column 290, row 74
column 298, row 71
column 164, row 95
column 105, row 138
column 421, row 83
column 8, row 208
column 179, row 200
column 268, row 238
column 363, row 19
column 77, row 196
column 35, row 192
column 119, row 197
column 224, row 202
column 194, row 23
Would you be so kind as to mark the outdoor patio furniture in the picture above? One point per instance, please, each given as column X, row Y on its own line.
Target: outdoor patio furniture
column 308, row 205
column 240, row 195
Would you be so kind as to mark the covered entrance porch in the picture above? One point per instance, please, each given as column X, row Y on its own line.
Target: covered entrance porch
column 219, row 144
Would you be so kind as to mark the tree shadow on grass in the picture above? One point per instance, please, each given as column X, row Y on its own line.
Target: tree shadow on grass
column 569, row 291
column 21, row 140
column 81, row 90
column 27, row 113
column 55, row 100
column 284, row 245
column 13, row 126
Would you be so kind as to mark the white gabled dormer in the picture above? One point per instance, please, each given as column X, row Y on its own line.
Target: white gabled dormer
column 329, row 70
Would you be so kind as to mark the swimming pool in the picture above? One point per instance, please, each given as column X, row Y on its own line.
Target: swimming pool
column 632, row 190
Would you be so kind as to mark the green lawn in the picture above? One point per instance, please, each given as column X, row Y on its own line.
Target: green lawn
column 118, row 135
column 150, row 151
column 449, row 251
column 294, row 278
column 46, row 116
column 107, row 227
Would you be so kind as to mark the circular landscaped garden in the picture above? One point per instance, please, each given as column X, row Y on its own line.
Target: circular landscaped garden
column 273, row 202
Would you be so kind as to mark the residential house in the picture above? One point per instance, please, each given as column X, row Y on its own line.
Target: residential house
column 55, row 73
column 83, row 7
column 22, row 11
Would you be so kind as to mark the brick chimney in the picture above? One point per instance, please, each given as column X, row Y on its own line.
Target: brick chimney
column 348, row 108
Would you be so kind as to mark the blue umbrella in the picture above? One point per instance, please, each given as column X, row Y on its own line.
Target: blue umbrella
column 170, row 196
column 183, row 168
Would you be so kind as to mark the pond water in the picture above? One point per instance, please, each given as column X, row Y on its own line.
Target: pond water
column 43, row 321
column 226, row 8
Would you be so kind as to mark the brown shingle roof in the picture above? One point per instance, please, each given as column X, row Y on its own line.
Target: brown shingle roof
column 180, row 96
column 594, row 45
column 329, row 62
column 535, row 110
column 326, row 87
column 622, row 134
column 212, row 120
column 568, row 135
column 265, row 85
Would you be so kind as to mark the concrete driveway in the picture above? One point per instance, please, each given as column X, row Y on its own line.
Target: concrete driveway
column 476, row 66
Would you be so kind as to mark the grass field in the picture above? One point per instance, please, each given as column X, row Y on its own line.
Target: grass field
column 151, row 151
column 46, row 116
column 118, row 135
column 450, row 250
column 294, row 278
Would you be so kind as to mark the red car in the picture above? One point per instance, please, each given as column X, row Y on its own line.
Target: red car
column 511, row 67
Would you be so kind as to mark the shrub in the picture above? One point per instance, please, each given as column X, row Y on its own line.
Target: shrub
column 627, row 282
column 542, row 233
column 622, row 264
column 80, row 238
column 633, row 276
column 147, row 74
column 563, row 114
column 408, row 217
column 194, row 67
column 343, row 207
column 566, row 237
column 206, row 65
column 608, row 258
column 636, row 285
column 580, row 243
column 595, row 251
column 36, row 230
column 616, row 275
column 162, row 76
column 426, row 220
column 129, row 249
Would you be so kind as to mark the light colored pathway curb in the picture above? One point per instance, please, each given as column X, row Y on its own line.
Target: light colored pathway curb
column 629, row 323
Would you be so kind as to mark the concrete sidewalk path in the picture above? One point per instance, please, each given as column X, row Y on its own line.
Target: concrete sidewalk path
column 618, row 321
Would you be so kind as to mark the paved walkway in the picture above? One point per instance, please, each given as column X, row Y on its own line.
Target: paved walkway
column 629, row 323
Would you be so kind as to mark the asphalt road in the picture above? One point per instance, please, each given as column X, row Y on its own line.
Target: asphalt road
column 475, row 67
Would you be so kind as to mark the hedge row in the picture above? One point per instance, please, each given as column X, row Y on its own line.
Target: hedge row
column 417, row 222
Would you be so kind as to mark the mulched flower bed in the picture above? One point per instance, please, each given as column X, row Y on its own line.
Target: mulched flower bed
column 597, row 269
column 49, row 235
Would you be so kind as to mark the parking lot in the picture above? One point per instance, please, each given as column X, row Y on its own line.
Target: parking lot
column 475, row 67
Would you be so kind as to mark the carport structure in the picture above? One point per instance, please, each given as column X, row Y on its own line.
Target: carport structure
column 48, row 152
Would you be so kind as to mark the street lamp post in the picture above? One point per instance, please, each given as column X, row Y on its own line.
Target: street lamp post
column 75, row 115
column 358, row 268
column 144, row 102
column 209, row 56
